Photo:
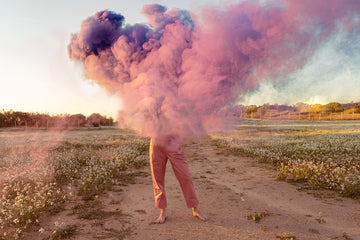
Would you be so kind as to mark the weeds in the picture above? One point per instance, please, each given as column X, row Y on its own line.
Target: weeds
column 286, row 236
column 315, row 231
column 257, row 216
column 326, row 160
column 113, row 233
column 346, row 237
column 23, row 202
column 92, row 210
column 99, row 166
column 230, row 169
column 40, row 170
column 62, row 233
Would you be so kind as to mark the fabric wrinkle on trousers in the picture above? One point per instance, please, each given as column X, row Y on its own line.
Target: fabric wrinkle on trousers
column 162, row 149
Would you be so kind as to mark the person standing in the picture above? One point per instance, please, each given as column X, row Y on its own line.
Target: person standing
column 161, row 149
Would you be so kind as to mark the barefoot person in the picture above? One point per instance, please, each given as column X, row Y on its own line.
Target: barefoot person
column 163, row 148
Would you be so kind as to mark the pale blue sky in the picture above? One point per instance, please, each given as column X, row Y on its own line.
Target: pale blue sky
column 35, row 71
column 37, row 75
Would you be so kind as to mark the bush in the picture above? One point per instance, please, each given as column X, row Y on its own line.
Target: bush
column 357, row 109
column 22, row 203
column 351, row 190
column 250, row 109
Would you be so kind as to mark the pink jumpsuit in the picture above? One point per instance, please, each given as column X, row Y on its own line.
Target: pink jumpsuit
column 162, row 149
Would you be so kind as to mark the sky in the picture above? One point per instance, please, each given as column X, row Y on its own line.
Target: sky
column 36, row 74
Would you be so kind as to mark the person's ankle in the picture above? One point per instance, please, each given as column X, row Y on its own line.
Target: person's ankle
column 195, row 210
column 199, row 215
column 162, row 216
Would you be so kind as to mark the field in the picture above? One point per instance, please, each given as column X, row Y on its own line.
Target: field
column 45, row 174
column 325, row 154
column 37, row 166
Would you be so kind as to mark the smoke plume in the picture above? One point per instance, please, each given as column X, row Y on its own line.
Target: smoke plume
column 181, row 73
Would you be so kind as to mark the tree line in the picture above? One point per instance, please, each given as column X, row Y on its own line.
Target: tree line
column 25, row 119
column 332, row 107
column 300, row 111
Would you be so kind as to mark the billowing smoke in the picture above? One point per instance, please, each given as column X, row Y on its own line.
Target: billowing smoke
column 181, row 73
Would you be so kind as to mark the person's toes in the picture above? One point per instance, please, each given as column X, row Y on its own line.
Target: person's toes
column 201, row 216
column 160, row 220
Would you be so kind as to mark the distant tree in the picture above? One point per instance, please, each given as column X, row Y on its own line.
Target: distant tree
column 42, row 119
column 357, row 108
column 273, row 107
column 8, row 122
column 238, row 110
column 22, row 118
column 316, row 108
column 60, row 120
column 266, row 106
column 263, row 109
column 333, row 107
column 2, row 120
column 96, row 120
column 111, row 121
column 250, row 109
column 12, row 118
column 77, row 120
column 282, row 108
column 301, row 107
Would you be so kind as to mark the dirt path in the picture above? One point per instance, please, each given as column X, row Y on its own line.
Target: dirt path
column 230, row 188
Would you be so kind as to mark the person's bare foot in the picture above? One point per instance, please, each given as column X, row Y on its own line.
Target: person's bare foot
column 162, row 218
column 199, row 215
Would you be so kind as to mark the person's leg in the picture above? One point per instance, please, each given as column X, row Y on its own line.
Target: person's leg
column 158, row 161
column 183, row 175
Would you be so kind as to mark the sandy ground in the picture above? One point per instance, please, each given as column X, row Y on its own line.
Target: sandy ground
column 229, row 188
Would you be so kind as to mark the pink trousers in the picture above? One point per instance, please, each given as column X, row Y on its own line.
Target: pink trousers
column 162, row 149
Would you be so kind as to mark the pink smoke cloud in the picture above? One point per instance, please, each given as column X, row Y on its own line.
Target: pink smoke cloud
column 183, row 73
